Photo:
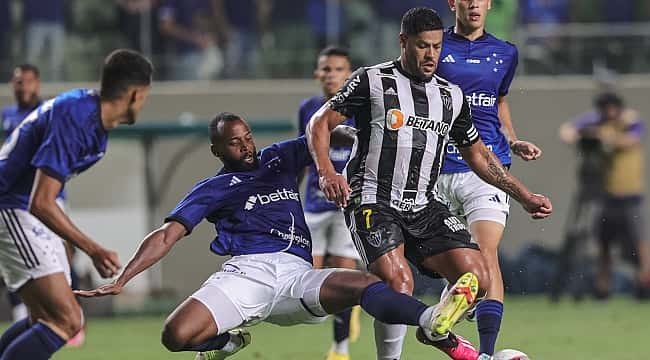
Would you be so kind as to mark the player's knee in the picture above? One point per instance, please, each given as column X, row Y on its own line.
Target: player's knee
column 174, row 338
column 68, row 319
column 401, row 282
column 484, row 278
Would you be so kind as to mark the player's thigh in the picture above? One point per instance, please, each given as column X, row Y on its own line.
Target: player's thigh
column 317, row 224
column 439, row 244
column 341, row 248
column 241, row 294
column 481, row 201
column 376, row 230
column 50, row 300
column 28, row 249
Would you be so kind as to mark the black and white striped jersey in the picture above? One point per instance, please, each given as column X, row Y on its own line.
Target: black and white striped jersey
column 404, row 126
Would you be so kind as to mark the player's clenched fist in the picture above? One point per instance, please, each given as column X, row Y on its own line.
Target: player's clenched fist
column 106, row 262
column 335, row 187
column 539, row 206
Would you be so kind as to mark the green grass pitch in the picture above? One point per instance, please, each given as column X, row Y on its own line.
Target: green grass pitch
column 617, row 329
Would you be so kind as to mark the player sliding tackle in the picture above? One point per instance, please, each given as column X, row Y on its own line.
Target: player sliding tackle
column 254, row 204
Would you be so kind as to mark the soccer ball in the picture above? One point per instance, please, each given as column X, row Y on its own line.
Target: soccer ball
column 510, row 354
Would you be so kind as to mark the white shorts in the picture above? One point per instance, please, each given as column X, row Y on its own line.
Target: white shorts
column 330, row 235
column 28, row 249
column 467, row 195
column 279, row 288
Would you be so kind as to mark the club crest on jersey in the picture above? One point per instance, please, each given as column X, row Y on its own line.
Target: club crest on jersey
column 395, row 120
column 374, row 238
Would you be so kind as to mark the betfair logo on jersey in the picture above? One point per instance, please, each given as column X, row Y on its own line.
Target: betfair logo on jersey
column 264, row 199
column 395, row 119
column 482, row 100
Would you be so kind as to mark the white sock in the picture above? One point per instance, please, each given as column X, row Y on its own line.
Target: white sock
column 425, row 318
column 389, row 340
column 340, row 347
column 19, row 312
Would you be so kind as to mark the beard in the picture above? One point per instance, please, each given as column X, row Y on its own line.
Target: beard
column 241, row 165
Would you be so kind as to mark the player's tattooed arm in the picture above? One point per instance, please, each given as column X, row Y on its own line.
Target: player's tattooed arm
column 488, row 167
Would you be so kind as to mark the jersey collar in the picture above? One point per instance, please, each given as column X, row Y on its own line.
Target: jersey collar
column 452, row 33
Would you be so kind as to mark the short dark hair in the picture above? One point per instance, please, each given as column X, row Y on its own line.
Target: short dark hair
column 123, row 68
column 419, row 19
column 334, row 51
column 218, row 119
column 608, row 98
column 29, row 67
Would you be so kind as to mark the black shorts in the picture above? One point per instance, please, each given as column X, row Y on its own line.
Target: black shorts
column 622, row 222
column 377, row 229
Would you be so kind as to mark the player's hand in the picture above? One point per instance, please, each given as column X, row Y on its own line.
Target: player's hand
column 106, row 262
column 108, row 289
column 335, row 188
column 526, row 150
column 539, row 206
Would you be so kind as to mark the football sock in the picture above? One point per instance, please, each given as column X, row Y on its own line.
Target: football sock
column 37, row 343
column 13, row 332
column 389, row 340
column 391, row 307
column 218, row 342
column 488, row 315
column 341, row 331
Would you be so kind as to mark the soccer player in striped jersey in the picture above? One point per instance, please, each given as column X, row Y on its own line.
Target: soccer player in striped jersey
column 483, row 67
column 331, row 240
column 60, row 139
column 406, row 116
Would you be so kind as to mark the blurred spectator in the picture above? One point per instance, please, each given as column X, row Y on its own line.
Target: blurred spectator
column 45, row 28
column 544, row 11
column 240, row 24
column 137, row 18
column 189, row 24
column 5, row 38
column 26, row 86
column 327, row 21
column 618, row 131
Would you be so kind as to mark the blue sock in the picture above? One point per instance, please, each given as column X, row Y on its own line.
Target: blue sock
column 391, row 307
column 14, row 299
column 488, row 316
column 342, row 325
column 37, row 343
column 214, row 343
column 13, row 332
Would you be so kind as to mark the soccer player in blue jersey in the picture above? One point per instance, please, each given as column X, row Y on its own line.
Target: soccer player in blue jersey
column 329, row 233
column 26, row 85
column 60, row 139
column 483, row 66
column 255, row 207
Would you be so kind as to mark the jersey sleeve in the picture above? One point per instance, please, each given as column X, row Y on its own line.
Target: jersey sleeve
column 56, row 154
column 353, row 96
column 200, row 202
column 463, row 133
column 507, row 79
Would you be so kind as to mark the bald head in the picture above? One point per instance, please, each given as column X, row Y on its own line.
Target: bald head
column 232, row 142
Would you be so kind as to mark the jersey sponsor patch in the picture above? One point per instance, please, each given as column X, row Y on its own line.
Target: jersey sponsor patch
column 264, row 199
column 396, row 119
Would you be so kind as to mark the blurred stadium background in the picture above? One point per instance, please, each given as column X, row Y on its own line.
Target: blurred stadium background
column 260, row 66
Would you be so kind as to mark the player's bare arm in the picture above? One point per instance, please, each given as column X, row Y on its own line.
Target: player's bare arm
column 43, row 205
column 524, row 149
column 488, row 167
column 334, row 185
column 153, row 248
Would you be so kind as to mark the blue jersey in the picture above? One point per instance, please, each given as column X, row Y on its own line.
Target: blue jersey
column 12, row 116
column 62, row 137
column 315, row 200
column 483, row 69
column 257, row 211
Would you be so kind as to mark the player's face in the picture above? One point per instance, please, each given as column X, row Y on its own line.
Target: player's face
column 611, row 112
column 136, row 102
column 471, row 13
column 236, row 147
column 421, row 52
column 26, row 87
column 332, row 72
